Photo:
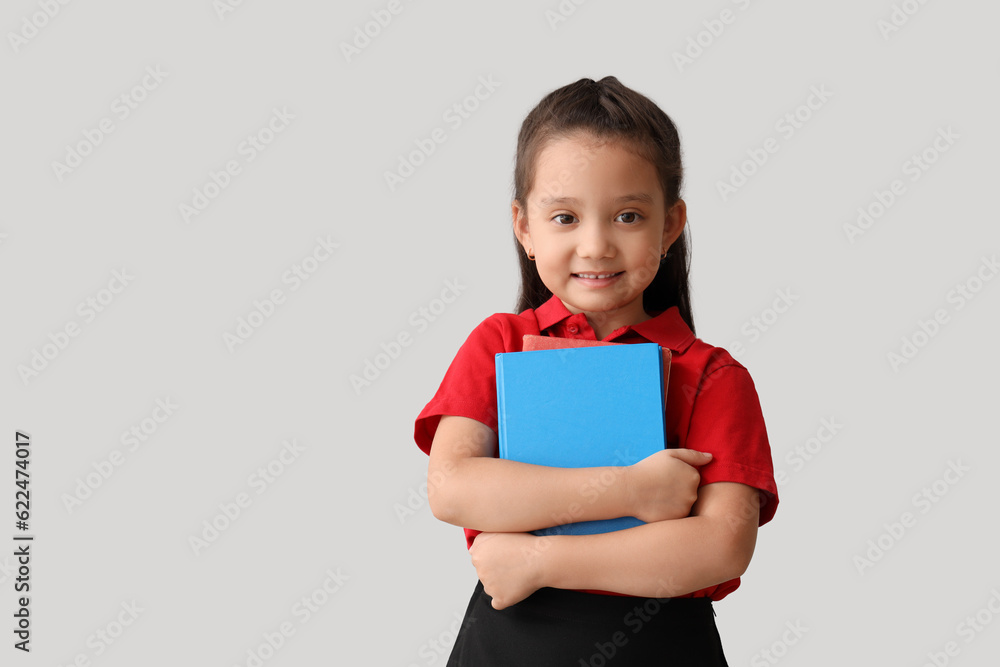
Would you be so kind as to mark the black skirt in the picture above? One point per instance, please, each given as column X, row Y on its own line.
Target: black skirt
column 560, row 628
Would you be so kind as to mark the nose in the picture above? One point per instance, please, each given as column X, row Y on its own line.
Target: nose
column 595, row 241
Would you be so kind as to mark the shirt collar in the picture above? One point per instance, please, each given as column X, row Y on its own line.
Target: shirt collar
column 667, row 328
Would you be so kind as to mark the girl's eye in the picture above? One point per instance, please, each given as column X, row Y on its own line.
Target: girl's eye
column 635, row 217
column 563, row 215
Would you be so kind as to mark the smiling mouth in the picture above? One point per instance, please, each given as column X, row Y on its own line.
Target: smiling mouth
column 598, row 276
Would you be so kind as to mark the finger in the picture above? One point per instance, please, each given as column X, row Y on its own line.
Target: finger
column 691, row 456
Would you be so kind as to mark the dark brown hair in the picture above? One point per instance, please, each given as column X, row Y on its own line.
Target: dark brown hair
column 607, row 110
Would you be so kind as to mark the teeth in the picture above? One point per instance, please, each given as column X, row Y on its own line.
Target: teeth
column 595, row 275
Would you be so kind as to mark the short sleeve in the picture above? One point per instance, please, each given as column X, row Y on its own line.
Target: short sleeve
column 726, row 420
column 469, row 386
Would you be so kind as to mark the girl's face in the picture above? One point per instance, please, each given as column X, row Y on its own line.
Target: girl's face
column 597, row 209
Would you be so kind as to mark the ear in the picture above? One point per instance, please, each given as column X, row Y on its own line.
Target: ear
column 520, row 222
column 673, row 223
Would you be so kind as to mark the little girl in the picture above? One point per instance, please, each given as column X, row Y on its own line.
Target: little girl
column 600, row 231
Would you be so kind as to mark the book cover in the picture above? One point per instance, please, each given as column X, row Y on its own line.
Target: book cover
column 582, row 406
column 537, row 342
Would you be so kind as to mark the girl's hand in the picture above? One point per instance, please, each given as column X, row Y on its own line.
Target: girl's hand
column 664, row 485
column 509, row 565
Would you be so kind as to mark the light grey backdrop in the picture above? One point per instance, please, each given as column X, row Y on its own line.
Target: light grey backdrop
column 176, row 163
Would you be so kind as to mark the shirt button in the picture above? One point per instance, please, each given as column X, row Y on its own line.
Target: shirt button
column 573, row 329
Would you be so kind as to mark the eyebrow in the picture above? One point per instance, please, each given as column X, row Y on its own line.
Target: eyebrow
column 636, row 196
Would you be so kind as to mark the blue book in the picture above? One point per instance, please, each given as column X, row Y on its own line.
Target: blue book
column 581, row 407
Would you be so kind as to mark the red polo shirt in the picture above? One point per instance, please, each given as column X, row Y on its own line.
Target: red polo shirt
column 712, row 405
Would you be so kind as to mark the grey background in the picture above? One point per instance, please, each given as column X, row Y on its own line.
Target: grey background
column 336, row 506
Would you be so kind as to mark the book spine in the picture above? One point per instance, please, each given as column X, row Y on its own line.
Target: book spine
column 664, row 360
column 501, row 407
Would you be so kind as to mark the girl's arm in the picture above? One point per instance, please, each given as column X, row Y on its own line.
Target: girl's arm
column 662, row 559
column 468, row 487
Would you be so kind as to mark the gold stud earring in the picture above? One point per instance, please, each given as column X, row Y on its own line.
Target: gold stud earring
column 530, row 256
